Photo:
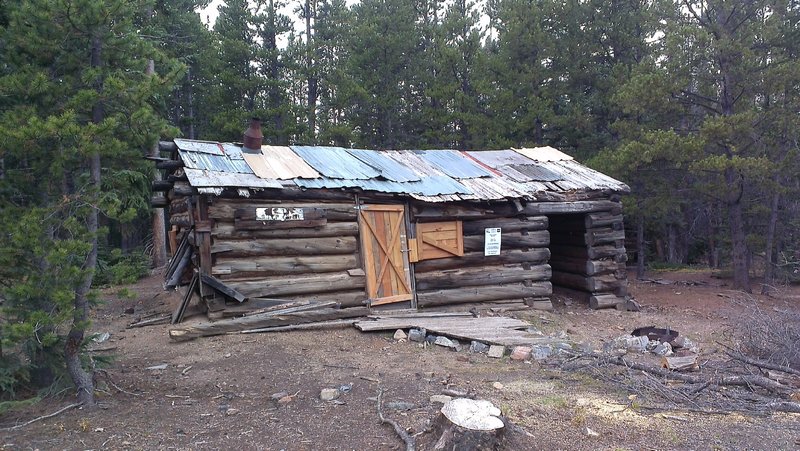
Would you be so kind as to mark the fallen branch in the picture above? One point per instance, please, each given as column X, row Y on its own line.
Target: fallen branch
column 761, row 364
column 43, row 417
column 409, row 441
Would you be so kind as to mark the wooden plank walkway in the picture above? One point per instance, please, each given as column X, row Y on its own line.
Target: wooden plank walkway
column 498, row 330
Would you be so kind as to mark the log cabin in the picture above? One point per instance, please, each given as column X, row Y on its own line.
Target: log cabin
column 399, row 229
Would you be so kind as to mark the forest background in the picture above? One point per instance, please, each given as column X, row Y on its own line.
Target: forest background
column 694, row 103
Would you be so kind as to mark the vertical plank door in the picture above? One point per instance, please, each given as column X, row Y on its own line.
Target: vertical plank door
column 385, row 248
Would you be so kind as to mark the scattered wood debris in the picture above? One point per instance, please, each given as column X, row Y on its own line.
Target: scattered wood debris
column 490, row 329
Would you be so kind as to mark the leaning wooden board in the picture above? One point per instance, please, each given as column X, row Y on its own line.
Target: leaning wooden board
column 493, row 329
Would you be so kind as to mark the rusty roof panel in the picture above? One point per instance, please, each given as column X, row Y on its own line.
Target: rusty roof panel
column 279, row 162
column 498, row 158
column 389, row 168
column 335, row 162
column 208, row 147
column 213, row 162
column 453, row 163
column 203, row 178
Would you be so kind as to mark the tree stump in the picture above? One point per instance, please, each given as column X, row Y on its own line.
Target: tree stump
column 469, row 424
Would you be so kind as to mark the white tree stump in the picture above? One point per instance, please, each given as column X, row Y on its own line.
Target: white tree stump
column 469, row 424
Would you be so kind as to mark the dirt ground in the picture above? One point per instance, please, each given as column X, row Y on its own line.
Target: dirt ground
column 217, row 393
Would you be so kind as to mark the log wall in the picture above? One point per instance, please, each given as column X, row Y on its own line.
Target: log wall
column 520, row 272
column 320, row 262
column 588, row 255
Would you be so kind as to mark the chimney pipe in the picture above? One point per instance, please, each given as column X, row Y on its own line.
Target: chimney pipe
column 253, row 137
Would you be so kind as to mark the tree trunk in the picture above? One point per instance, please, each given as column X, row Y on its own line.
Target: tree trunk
column 770, row 241
column 312, row 77
column 84, row 380
column 640, row 249
column 741, row 271
column 159, row 218
column 190, row 103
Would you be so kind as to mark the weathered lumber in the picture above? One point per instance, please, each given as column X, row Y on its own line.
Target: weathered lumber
column 334, row 324
column 478, row 227
column 539, row 238
column 507, row 256
column 227, row 230
column 678, row 363
column 225, row 209
column 483, row 293
column 239, row 268
column 160, row 185
column 169, row 165
column 295, row 246
column 601, row 301
column 549, row 208
column 290, row 286
column 159, row 201
column 603, row 236
column 484, row 275
column 583, row 266
column 178, row 314
column 452, row 211
column 175, row 273
column 289, row 194
column 261, row 321
column 220, row 286
column 586, row 283
column 595, row 220
column 259, row 305
column 164, row 319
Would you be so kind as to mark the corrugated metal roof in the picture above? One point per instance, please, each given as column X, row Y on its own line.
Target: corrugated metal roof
column 389, row 168
column 453, row 163
column 536, row 173
column 546, row 153
column 213, row 162
column 335, row 162
column 202, row 178
column 279, row 162
column 209, row 147
column 431, row 176
column 498, row 158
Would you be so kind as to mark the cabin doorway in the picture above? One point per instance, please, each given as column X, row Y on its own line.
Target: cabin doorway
column 384, row 245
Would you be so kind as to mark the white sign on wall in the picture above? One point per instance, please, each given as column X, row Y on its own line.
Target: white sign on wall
column 492, row 241
column 279, row 214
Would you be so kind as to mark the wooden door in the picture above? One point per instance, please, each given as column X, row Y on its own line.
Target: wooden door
column 385, row 251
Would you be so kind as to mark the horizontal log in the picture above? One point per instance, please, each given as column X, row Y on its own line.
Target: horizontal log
column 290, row 195
column 226, row 230
column 600, row 301
column 275, row 287
column 231, row 268
column 603, row 236
column 160, row 185
column 550, row 208
column 539, row 238
column 225, row 209
column 605, row 251
column 485, row 275
column 507, row 225
column 167, row 146
column 181, row 219
column 294, row 246
column 350, row 298
column 427, row 212
column 484, row 293
column 181, row 189
column 583, row 266
column 586, row 283
column 263, row 320
column 169, row 165
column 507, row 256
column 595, row 220
column 244, row 224
column 179, row 205
column 159, row 201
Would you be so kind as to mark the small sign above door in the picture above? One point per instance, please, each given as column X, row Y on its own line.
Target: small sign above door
column 492, row 241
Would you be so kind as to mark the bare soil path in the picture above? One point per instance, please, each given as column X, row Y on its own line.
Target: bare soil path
column 216, row 393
